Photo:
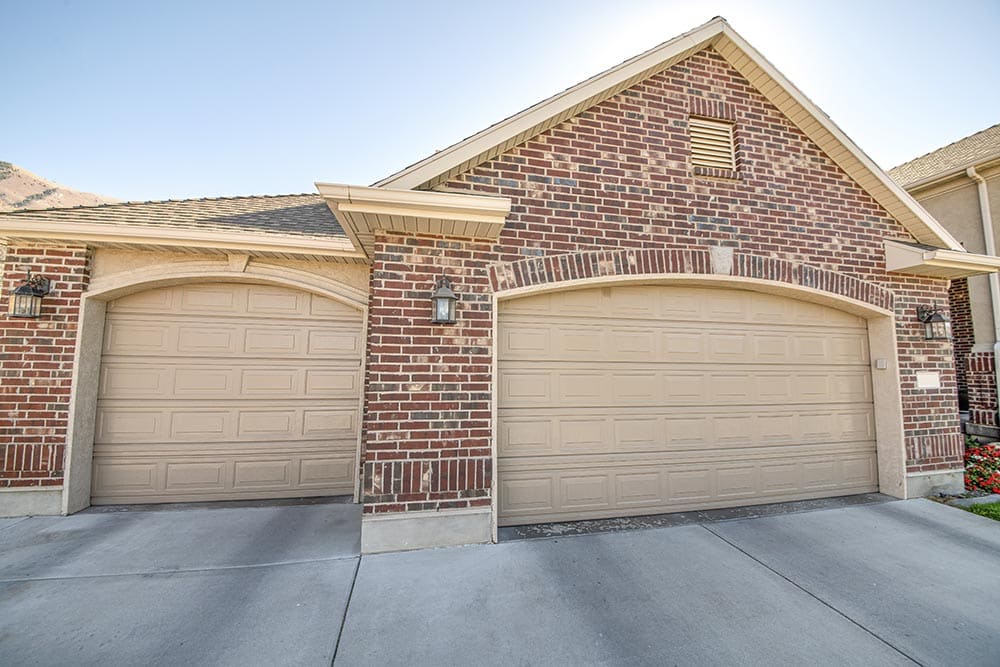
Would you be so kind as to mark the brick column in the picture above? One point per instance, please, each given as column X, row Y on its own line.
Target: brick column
column 981, row 377
column 37, row 355
column 427, row 419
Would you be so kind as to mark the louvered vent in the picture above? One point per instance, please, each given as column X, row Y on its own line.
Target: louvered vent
column 712, row 144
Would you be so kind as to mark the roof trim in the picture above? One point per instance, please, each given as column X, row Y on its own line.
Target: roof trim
column 917, row 260
column 99, row 234
column 362, row 211
column 748, row 61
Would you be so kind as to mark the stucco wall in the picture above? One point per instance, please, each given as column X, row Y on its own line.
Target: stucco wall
column 111, row 261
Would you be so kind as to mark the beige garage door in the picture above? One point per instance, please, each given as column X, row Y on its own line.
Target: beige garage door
column 227, row 391
column 633, row 400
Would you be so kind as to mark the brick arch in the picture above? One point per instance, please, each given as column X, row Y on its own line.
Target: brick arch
column 553, row 270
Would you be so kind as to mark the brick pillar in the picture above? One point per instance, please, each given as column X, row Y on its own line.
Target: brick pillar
column 37, row 355
column 962, row 337
column 427, row 387
column 981, row 378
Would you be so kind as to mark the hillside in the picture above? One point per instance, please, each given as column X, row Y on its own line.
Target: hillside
column 20, row 189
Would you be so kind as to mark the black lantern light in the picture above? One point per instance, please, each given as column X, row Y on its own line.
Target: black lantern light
column 26, row 300
column 936, row 325
column 443, row 302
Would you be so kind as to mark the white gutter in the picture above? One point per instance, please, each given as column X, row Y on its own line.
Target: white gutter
column 991, row 249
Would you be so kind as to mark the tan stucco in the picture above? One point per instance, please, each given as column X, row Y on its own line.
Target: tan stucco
column 108, row 261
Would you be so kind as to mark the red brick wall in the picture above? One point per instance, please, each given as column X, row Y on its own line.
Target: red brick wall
column 615, row 177
column 981, row 373
column 427, row 387
column 37, row 369
column 962, row 336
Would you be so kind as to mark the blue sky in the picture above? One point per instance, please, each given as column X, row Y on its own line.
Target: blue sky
column 180, row 98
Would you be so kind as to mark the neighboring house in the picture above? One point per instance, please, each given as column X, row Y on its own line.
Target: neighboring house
column 959, row 185
column 679, row 286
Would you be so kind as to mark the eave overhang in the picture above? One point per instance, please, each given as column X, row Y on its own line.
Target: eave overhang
column 929, row 262
column 364, row 211
column 146, row 237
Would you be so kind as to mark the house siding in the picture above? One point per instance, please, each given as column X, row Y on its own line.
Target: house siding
column 617, row 178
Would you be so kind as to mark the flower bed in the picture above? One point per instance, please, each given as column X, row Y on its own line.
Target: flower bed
column 982, row 468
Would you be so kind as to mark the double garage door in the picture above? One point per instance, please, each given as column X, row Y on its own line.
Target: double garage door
column 227, row 391
column 634, row 400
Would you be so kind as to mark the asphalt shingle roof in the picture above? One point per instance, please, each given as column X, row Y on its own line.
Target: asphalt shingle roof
column 980, row 145
column 296, row 215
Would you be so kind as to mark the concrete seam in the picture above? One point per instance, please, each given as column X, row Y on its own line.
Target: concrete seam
column 815, row 597
column 146, row 573
column 343, row 621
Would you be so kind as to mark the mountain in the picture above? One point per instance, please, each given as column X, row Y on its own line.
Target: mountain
column 20, row 189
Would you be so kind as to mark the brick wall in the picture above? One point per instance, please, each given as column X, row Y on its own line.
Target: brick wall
column 981, row 374
column 37, row 369
column 427, row 400
column 962, row 336
column 617, row 177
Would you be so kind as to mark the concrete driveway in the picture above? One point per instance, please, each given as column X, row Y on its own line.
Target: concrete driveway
column 909, row 582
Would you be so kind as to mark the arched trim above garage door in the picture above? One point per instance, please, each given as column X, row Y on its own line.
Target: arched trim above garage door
column 558, row 271
column 87, row 361
column 723, row 268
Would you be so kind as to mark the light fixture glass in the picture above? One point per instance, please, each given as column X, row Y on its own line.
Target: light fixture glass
column 26, row 300
column 443, row 302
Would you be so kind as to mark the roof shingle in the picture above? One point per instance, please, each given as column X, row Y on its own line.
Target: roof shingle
column 979, row 146
column 295, row 215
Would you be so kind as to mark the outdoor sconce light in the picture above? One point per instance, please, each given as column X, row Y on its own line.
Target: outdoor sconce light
column 936, row 325
column 443, row 301
column 26, row 300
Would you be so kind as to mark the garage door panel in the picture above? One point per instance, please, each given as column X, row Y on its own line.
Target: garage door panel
column 576, row 387
column 227, row 391
column 195, row 339
column 639, row 399
column 543, row 432
column 145, row 338
column 202, row 476
column 562, row 340
column 556, row 493
column 680, row 304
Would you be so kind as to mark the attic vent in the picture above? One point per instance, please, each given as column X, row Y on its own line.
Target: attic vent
column 712, row 144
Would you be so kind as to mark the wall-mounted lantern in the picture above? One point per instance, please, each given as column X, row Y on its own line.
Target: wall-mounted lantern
column 936, row 325
column 26, row 300
column 443, row 302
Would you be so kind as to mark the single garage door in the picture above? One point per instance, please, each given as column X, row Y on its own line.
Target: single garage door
column 631, row 400
column 227, row 391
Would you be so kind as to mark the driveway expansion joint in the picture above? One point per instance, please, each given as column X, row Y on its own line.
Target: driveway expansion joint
column 813, row 596
column 347, row 606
